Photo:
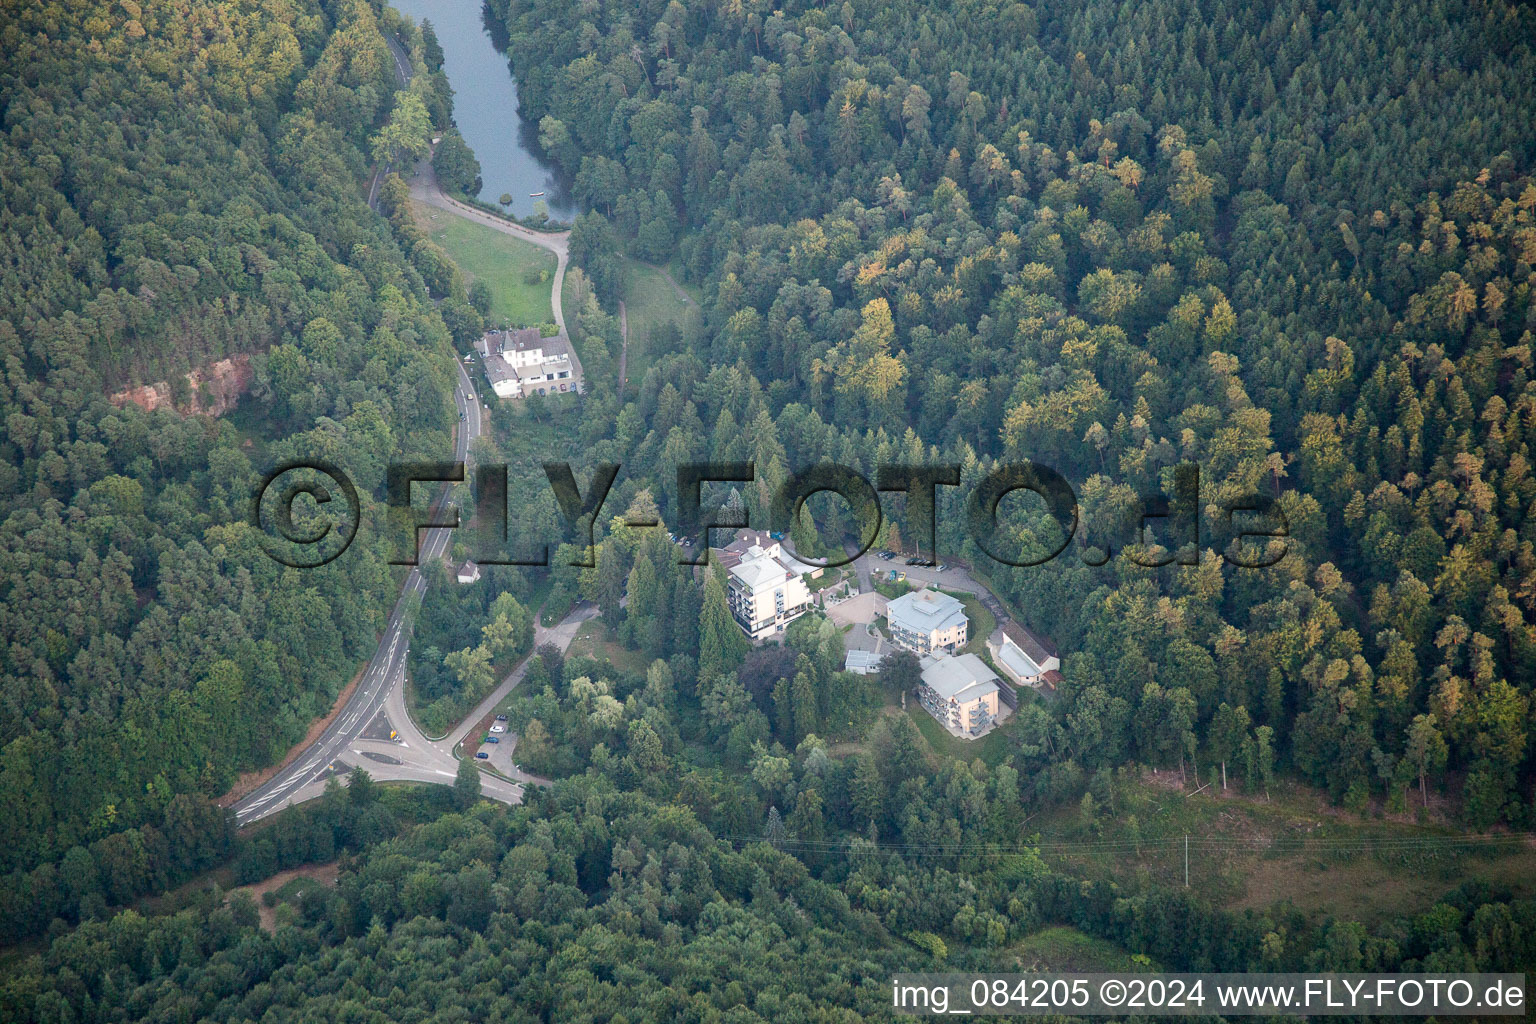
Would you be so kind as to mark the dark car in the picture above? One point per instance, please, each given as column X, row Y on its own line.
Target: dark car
column 482, row 755
column 501, row 718
column 493, row 739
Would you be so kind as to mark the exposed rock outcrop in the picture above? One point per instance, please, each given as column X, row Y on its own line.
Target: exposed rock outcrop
column 212, row 390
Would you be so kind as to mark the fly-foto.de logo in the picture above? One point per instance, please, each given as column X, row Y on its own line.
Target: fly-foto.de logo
column 309, row 513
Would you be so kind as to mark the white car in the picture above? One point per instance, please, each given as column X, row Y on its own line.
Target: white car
column 498, row 727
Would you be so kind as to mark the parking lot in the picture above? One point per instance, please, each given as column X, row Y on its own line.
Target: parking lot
column 945, row 576
column 499, row 744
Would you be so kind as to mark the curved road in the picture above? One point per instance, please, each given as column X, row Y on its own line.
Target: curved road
column 374, row 730
column 385, row 672
column 425, row 190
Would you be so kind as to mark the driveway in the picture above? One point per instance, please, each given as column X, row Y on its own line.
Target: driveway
column 861, row 566
column 859, row 610
column 953, row 578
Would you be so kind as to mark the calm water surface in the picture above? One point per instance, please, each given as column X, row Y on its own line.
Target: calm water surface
column 485, row 107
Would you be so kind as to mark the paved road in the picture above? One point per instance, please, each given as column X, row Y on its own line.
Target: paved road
column 403, row 76
column 955, row 577
column 374, row 730
column 385, row 672
column 560, row 635
column 425, row 190
column 861, row 566
column 383, row 739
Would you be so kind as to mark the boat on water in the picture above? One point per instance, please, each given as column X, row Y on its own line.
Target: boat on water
column 534, row 195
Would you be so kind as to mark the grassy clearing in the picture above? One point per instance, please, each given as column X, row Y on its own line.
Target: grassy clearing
column 1294, row 849
column 993, row 748
column 650, row 300
column 982, row 623
column 572, row 295
column 829, row 578
column 525, row 440
column 498, row 259
column 1062, row 948
column 596, row 640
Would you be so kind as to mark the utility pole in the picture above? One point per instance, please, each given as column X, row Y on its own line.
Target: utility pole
column 1186, row 861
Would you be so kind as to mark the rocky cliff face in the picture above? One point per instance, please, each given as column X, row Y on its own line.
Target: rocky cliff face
column 212, row 390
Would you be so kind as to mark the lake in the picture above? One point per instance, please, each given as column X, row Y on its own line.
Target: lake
column 485, row 108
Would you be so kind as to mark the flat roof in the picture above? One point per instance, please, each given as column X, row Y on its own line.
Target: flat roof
column 924, row 611
column 963, row 678
column 759, row 569
column 861, row 659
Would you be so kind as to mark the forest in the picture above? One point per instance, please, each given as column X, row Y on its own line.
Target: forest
column 1290, row 245
column 182, row 185
column 1272, row 242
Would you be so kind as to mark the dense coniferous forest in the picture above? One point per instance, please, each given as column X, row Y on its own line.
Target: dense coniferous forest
column 183, row 185
column 1291, row 245
column 596, row 904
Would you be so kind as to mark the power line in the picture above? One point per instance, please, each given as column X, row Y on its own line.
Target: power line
column 1278, row 844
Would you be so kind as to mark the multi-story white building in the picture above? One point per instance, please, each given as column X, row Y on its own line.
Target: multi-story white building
column 766, row 595
column 962, row 693
column 521, row 362
column 926, row 621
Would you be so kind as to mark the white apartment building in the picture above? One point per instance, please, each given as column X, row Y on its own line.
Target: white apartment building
column 962, row 693
column 766, row 595
column 927, row 622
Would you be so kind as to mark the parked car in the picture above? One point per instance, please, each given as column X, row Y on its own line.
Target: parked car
column 498, row 728
column 493, row 739
column 941, row 567
column 501, row 718
column 914, row 560
column 482, row 755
